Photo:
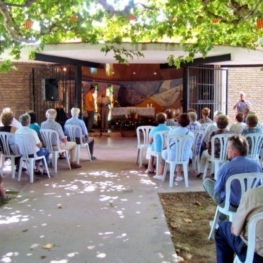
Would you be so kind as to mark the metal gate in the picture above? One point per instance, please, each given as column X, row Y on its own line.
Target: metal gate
column 66, row 89
column 207, row 87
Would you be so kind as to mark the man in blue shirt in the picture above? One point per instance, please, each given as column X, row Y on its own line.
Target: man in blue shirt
column 242, row 104
column 74, row 120
column 237, row 150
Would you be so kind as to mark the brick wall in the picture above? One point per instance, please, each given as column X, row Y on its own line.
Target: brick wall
column 16, row 88
column 249, row 80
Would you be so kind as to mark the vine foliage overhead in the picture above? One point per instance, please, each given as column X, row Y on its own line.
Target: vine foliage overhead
column 196, row 25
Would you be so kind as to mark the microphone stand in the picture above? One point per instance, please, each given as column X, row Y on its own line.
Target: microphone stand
column 101, row 118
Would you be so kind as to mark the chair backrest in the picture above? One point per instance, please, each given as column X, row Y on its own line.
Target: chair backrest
column 7, row 143
column 205, row 125
column 238, row 184
column 208, row 129
column 179, row 147
column 26, row 145
column 255, row 141
column 142, row 133
column 220, row 140
column 74, row 131
column 50, row 138
column 159, row 140
column 252, row 235
column 199, row 137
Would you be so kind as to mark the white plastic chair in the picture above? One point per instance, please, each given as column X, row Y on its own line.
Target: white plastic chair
column 142, row 133
column 74, row 132
column 158, row 137
column 255, row 141
column 51, row 138
column 26, row 146
column 246, row 182
column 181, row 144
column 199, row 136
column 223, row 139
column 5, row 139
column 205, row 125
column 252, row 232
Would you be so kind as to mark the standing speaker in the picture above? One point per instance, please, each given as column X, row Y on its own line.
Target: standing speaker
column 50, row 89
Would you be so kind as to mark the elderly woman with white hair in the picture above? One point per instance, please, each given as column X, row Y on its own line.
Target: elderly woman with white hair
column 74, row 120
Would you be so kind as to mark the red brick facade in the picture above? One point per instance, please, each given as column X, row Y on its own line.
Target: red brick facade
column 16, row 89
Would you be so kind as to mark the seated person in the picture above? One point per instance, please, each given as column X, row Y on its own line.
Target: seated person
column 74, row 120
column 205, row 118
column 160, row 119
column 170, row 115
column 222, row 122
column 50, row 123
column 252, row 127
column 7, row 119
column 231, row 238
column 239, row 125
column 237, row 150
column 181, row 130
column 194, row 124
column 40, row 151
column 15, row 122
column 33, row 122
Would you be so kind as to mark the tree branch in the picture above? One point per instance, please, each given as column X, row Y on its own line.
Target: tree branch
column 26, row 4
column 14, row 34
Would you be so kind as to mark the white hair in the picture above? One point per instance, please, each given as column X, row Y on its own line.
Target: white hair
column 75, row 112
column 7, row 110
column 51, row 114
column 242, row 93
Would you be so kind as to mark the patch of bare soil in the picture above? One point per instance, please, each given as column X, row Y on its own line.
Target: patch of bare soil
column 188, row 216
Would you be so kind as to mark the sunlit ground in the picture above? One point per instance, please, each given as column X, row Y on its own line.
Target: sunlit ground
column 117, row 204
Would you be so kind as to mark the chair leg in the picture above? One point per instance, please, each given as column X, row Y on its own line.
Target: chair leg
column 205, row 170
column 213, row 226
column 140, row 157
column 185, row 169
column 46, row 167
column 172, row 169
column 138, row 153
column 67, row 156
column 55, row 161
column 31, row 170
column 165, row 171
column 88, row 151
column 20, row 170
column 157, row 163
column 13, row 166
column 78, row 153
column 2, row 164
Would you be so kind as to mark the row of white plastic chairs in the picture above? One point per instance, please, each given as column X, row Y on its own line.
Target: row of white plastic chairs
column 255, row 139
column 246, row 180
column 163, row 138
column 24, row 147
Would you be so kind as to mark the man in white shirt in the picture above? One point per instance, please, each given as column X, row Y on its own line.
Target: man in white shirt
column 41, row 151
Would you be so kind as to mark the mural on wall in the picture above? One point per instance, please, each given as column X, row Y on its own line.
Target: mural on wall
column 158, row 94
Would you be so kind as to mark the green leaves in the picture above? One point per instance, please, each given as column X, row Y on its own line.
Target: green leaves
column 190, row 23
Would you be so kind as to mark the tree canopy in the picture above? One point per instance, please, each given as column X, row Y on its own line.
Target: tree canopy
column 197, row 25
